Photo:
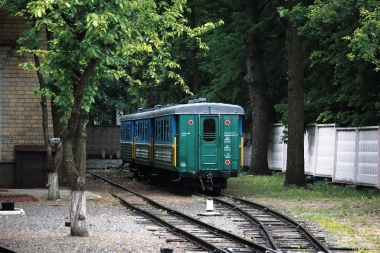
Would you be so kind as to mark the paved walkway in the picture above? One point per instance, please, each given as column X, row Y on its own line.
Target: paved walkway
column 43, row 193
column 65, row 193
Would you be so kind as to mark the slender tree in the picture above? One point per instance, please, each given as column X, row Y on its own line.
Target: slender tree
column 32, row 39
column 295, row 164
column 53, row 162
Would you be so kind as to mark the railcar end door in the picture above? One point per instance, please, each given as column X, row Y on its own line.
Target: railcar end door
column 209, row 143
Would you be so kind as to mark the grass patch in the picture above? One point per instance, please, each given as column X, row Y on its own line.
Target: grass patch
column 352, row 215
column 272, row 186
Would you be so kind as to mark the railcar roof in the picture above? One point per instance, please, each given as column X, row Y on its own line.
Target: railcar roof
column 196, row 108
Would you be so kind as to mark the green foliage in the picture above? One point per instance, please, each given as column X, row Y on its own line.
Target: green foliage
column 111, row 96
column 222, row 67
column 365, row 40
column 338, row 89
column 136, row 43
column 297, row 15
column 117, row 35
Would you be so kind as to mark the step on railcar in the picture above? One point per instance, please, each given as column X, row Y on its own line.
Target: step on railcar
column 197, row 145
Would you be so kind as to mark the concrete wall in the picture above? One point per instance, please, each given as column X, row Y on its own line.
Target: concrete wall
column 103, row 141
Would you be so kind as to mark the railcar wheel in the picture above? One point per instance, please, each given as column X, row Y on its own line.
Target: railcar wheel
column 216, row 190
column 189, row 185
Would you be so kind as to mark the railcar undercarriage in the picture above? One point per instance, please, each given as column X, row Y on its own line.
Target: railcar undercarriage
column 191, row 180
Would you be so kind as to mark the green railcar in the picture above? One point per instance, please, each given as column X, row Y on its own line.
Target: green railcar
column 198, row 145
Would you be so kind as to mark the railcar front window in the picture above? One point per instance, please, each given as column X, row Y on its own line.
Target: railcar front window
column 209, row 130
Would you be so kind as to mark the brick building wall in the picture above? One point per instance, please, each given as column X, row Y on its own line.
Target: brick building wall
column 20, row 111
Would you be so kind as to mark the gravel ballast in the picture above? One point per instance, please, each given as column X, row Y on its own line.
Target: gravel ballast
column 42, row 229
column 112, row 227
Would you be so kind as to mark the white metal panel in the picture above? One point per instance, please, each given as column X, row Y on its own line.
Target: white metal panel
column 368, row 156
column 325, row 148
column 247, row 156
column 309, row 149
column 276, row 149
column 345, row 156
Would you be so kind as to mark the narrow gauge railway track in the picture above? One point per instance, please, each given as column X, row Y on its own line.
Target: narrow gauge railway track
column 207, row 238
column 268, row 227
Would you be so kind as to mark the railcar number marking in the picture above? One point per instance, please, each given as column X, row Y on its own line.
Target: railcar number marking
column 230, row 134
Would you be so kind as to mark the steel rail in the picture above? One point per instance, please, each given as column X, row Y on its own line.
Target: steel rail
column 208, row 227
column 6, row 250
column 176, row 231
column 320, row 246
column 249, row 217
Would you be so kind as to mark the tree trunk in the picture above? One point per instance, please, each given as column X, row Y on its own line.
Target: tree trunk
column 78, row 218
column 53, row 163
column 53, row 190
column 258, row 88
column 75, row 129
column 295, row 165
column 63, row 178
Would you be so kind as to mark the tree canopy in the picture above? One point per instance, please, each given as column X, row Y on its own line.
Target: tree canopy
column 86, row 43
column 97, row 50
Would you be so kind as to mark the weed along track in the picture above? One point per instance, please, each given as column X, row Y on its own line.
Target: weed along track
column 257, row 228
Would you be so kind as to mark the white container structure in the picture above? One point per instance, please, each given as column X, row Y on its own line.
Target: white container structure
column 324, row 150
column 346, row 155
column 277, row 148
column 357, row 156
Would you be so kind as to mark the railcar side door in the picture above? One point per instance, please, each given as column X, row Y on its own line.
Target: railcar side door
column 209, row 143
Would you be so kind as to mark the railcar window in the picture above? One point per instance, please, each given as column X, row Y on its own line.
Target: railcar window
column 138, row 137
column 169, row 130
column 146, row 131
column 163, row 130
column 128, row 131
column 166, row 130
column 209, row 130
column 158, row 130
column 122, row 130
column 142, row 131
